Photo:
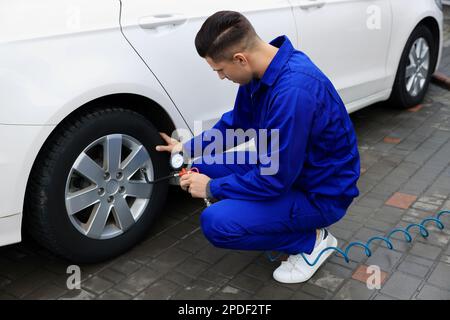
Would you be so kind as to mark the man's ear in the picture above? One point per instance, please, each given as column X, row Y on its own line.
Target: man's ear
column 240, row 58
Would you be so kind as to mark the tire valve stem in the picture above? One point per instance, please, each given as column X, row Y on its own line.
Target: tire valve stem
column 144, row 173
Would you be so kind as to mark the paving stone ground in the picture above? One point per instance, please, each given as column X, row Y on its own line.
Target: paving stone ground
column 405, row 178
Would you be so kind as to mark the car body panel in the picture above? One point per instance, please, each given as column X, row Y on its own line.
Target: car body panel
column 170, row 53
column 353, row 55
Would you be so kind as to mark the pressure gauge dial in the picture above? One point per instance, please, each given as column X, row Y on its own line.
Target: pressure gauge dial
column 177, row 160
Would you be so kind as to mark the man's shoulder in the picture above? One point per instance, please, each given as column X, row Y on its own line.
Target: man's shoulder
column 301, row 73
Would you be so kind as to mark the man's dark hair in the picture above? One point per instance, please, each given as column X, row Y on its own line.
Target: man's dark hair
column 222, row 33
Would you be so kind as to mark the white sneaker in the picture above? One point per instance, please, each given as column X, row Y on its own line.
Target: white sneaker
column 296, row 270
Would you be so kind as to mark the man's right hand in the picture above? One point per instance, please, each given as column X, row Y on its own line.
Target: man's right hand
column 172, row 146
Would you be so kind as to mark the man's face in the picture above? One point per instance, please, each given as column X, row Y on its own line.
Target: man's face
column 236, row 70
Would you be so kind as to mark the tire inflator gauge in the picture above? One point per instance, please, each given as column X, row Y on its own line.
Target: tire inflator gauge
column 177, row 163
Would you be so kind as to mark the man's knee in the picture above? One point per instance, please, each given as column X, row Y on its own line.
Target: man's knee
column 216, row 225
column 210, row 221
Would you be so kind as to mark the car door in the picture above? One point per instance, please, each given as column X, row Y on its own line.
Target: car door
column 163, row 33
column 348, row 40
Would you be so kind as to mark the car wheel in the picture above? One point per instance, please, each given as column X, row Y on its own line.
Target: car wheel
column 415, row 69
column 87, row 198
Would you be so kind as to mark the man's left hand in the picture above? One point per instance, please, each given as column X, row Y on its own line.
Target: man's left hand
column 195, row 184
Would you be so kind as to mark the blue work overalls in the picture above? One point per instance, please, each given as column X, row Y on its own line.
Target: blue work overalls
column 319, row 163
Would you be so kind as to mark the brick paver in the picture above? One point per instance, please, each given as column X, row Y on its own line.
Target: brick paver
column 401, row 200
column 362, row 274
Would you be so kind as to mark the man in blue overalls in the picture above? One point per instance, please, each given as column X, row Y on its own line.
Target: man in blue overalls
column 319, row 165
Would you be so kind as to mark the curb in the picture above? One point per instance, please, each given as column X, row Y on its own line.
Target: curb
column 441, row 80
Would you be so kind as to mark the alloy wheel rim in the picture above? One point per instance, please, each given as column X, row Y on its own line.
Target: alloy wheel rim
column 106, row 192
column 416, row 73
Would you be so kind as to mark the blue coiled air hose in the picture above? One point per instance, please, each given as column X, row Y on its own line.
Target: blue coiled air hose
column 421, row 226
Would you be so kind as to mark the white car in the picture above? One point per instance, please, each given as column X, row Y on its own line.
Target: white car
column 87, row 85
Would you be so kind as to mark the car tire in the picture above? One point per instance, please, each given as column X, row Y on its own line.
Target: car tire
column 406, row 91
column 50, row 197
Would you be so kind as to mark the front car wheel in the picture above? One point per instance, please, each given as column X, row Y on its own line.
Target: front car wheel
column 87, row 199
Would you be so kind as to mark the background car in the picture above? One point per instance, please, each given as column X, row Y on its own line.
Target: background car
column 86, row 86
